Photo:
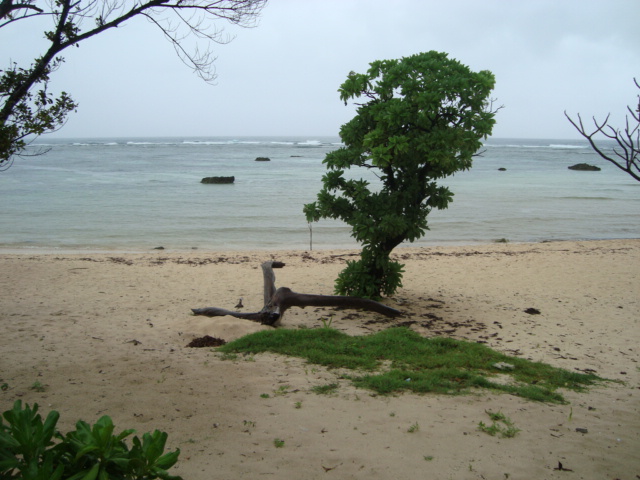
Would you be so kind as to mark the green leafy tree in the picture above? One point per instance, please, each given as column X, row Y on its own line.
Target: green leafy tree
column 28, row 109
column 422, row 119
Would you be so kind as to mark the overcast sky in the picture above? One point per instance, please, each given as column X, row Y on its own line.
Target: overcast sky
column 281, row 77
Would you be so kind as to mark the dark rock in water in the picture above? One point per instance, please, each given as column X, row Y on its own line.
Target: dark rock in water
column 584, row 167
column 502, row 169
column 263, row 159
column 218, row 180
column 159, row 248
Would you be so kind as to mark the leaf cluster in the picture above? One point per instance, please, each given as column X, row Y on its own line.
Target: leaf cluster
column 33, row 449
column 35, row 112
column 371, row 276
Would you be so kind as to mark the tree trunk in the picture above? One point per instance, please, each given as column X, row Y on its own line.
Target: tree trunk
column 277, row 301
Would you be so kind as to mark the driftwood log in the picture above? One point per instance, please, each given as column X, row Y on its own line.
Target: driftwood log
column 277, row 301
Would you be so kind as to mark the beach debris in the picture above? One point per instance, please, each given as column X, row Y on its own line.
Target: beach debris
column 503, row 366
column 206, row 341
column 328, row 469
column 584, row 167
column 532, row 311
column 239, row 304
column 121, row 260
column 561, row 468
column 277, row 301
column 582, row 430
column 218, row 180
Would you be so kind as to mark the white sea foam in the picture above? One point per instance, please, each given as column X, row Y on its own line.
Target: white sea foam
column 563, row 145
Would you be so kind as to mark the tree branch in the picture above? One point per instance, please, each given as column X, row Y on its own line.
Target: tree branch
column 628, row 142
column 69, row 16
column 7, row 7
column 276, row 302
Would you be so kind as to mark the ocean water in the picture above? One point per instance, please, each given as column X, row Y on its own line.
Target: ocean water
column 135, row 194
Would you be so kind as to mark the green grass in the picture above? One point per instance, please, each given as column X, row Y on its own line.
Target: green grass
column 502, row 426
column 417, row 364
column 37, row 386
column 328, row 389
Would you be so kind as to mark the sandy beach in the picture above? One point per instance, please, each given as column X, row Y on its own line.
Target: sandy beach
column 107, row 334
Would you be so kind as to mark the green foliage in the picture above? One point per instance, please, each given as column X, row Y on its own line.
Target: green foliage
column 416, row 364
column 37, row 386
column 501, row 425
column 33, row 112
column 423, row 120
column 370, row 276
column 414, row 428
column 327, row 389
column 31, row 449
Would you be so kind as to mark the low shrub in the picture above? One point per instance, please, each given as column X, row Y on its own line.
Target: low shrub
column 33, row 449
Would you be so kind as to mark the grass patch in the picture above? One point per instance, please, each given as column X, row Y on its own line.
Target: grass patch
column 328, row 389
column 502, row 426
column 417, row 364
column 37, row 387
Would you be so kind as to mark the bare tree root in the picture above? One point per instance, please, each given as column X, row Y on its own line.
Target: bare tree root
column 277, row 301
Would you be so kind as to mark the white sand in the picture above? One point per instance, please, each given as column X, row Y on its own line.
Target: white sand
column 107, row 334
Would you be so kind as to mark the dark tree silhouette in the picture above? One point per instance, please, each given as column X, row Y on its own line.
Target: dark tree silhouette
column 27, row 109
column 626, row 153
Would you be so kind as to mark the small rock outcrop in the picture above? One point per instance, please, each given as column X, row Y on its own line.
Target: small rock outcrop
column 502, row 169
column 263, row 159
column 218, row 180
column 584, row 167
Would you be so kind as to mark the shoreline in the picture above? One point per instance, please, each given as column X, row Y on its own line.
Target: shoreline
column 106, row 334
column 5, row 250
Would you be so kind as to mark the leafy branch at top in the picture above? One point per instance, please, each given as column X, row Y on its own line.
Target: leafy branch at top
column 27, row 108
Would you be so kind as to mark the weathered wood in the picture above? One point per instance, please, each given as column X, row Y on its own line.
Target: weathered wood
column 277, row 301
column 221, row 312
column 286, row 298
column 269, row 278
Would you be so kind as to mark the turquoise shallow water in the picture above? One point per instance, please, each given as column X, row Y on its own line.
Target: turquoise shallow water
column 135, row 194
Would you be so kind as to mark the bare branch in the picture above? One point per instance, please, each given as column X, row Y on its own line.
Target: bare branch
column 628, row 141
column 276, row 302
